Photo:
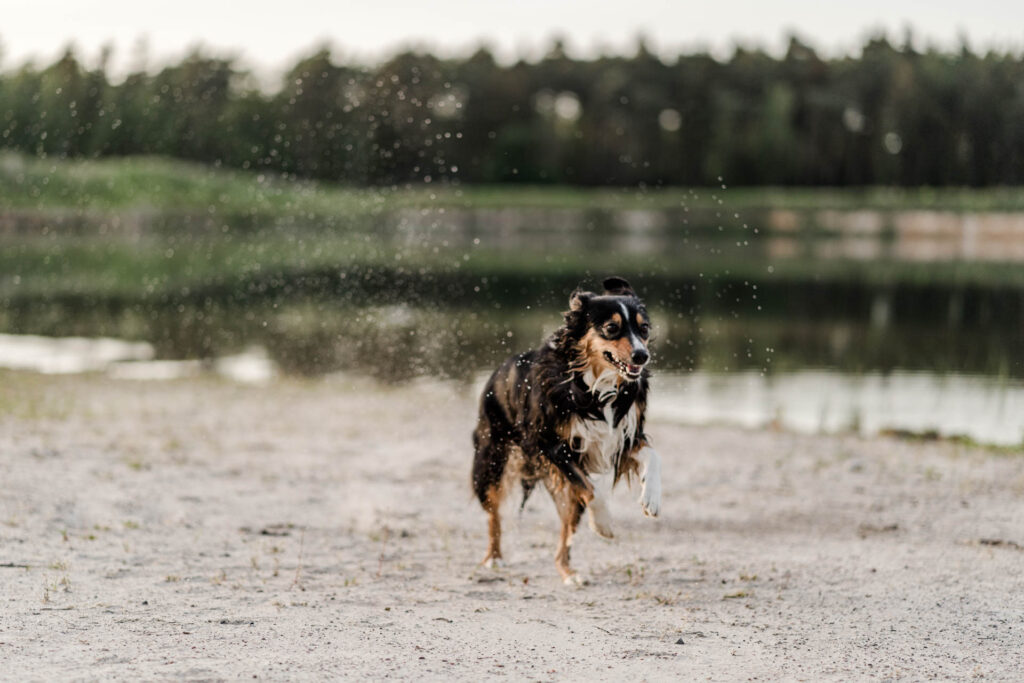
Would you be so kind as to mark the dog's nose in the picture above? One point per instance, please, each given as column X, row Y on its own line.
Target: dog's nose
column 640, row 356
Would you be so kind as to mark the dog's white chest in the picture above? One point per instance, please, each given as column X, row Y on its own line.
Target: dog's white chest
column 601, row 441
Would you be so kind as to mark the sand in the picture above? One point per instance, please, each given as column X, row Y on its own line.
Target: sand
column 205, row 530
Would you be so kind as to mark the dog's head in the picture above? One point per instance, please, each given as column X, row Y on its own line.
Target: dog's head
column 610, row 330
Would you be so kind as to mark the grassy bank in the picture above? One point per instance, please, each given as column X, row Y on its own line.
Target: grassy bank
column 150, row 183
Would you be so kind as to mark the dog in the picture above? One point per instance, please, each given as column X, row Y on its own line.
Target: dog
column 570, row 414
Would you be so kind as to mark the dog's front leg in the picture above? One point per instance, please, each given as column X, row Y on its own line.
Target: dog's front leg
column 599, row 517
column 561, row 456
column 572, row 491
column 650, row 494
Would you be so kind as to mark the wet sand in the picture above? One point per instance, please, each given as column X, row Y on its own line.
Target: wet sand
column 200, row 529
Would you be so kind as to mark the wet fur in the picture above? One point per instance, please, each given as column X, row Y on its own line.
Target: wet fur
column 561, row 413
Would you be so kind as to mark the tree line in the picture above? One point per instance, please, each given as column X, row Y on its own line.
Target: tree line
column 890, row 115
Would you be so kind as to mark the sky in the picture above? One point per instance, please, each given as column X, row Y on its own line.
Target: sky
column 269, row 36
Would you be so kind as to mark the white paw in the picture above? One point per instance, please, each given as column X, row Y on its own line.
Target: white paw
column 494, row 563
column 575, row 579
column 650, row 497
column 599, row 519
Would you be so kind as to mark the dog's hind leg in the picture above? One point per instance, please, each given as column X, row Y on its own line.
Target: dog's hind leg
column 493, row 507
column 492, row 441
column 488, row 472
column 490, row 492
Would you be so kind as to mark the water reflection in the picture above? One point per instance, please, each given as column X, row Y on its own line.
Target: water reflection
column 124, row 360
column 448, row 291
column 68, row 354
column 982, row 409
column 397, row 341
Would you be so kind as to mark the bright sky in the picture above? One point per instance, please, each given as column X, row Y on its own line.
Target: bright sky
column 270, row 35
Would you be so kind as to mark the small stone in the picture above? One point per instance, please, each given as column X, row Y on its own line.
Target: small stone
column 680, row 642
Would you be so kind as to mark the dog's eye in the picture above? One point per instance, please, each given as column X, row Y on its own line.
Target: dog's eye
column 611, row 329
column 645, row 330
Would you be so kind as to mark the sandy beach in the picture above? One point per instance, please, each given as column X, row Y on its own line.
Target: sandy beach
column 205, row 530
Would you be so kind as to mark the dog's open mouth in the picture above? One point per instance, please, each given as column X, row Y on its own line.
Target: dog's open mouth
column 627, row 370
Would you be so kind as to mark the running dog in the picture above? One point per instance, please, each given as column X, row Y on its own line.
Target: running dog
column 571, row 414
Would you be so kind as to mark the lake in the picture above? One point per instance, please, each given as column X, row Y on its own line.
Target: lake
column 831, row 320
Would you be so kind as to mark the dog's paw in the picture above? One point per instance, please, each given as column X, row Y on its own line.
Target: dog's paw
column 650, row 497
column 600, row 520
column 494, row 563
column 601, row 528
column 575, row 580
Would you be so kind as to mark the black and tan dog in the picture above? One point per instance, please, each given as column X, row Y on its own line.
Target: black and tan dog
column 571, row 414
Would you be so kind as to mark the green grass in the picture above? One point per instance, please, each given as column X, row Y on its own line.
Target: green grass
column 957, row 439
column 159, row 184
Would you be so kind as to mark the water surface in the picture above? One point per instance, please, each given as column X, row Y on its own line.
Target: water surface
column 816, row 321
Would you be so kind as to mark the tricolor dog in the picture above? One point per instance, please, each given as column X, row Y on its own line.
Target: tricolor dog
column 570, row 414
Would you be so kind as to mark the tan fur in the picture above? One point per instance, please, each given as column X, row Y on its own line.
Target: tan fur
column 564, row 431
column 493, row 505
column 621, row 348
column 592, row 347
column 591, row 352
column 570, row 503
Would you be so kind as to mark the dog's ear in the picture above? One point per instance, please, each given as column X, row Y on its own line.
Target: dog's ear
column 578, row 300
column 617, row 286
column 575, row 317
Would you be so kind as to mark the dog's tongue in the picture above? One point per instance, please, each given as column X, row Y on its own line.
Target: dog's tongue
column 633, row 369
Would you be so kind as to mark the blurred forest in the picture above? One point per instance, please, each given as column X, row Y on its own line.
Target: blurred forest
column 890, row 116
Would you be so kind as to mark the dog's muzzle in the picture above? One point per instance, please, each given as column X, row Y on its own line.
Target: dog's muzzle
column 627, row 370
